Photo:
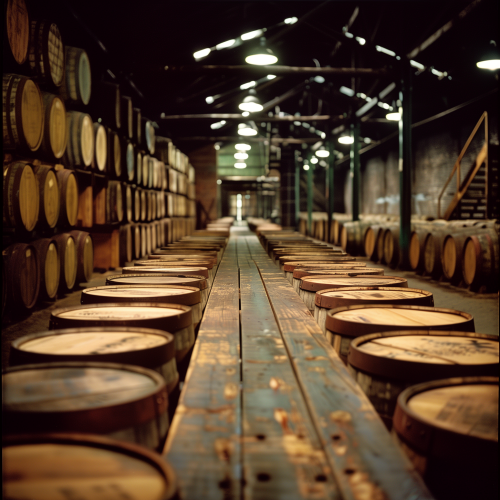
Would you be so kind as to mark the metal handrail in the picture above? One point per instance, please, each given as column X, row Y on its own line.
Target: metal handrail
column 456, row 167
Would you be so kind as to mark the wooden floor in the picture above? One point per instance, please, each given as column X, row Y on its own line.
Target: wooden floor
column 268, row 410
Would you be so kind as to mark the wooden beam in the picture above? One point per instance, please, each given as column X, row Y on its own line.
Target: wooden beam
column 278, row 70
column 238, row 116
column 276, row 140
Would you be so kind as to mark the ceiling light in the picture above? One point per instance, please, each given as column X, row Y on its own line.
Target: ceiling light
column 291, row 20
column 246, row 130
column 225, row 45
column 252, row 34
column 251, row 102
column 417, row 65
column 201, row 53
column 243, row 147
column 216, row 147
column 240, row 155
column 314, row 160
column 347, row 91
column 271, row 77
column 360, row 40
column 319, row 79
column 297, row 123
column 245, row 114
column 322, row 152
column 385, row 51
column 348, row 35
column 322, row 135
column 209, row 99
column 305, row 125
column 491, row 59
column 261, row 55
column 240, row 165
column 367, row 140
column 395, row 117
column 306, row 167
column 346, row 139
column 247, row 85
column 219, row 181
column 217, row 125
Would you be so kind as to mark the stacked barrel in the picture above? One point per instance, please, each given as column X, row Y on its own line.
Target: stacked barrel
column 463, row 252
column 108, row 374
column 431, row 377
column 86, row 184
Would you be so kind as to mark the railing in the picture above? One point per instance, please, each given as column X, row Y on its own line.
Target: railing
column 481, row 158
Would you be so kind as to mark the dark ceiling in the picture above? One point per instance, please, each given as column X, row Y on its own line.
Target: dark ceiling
column 135, row 40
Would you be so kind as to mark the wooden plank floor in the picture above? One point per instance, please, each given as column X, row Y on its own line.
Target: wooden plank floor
column 268, row 409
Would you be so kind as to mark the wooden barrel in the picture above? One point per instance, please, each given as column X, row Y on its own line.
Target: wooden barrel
column 352, row 237
column 101, row 147
column 136, row 241
column 137, row 204
column 144, row 205
column 148, row 135
column 17, row 31
column 324, row 300
column 196, row 262
column 372, row 235
column 125, row 402
column 46, row 53
column 173, row 318
column 480, row 259
column 303, row 272
column 384, row 364
column 23, row 114
column 345, row 323
column 54, row 129
column 21, row 204
column 128, row 160
column 417, row 242
column 114, row 202
column 68, row 191
column 199, row 282
column 290, row 267
column 137, row 125
column 126, row 244
column 162, row 294
column 106, row 104
column 308, row 286
column 432, row 254
column 22, row 277
column 77, row 82
column 66, row 249
column 127, row 203
column 111, row 467
column 49, row 196
column 145, row 170
column 183, row 253
column 173, row 270
column 147, row 231
column 127, row 116
column 114, row 166
column 84, row 256
column 49, row 266
column 324, row 258
column 80, row 146
column 449, row 430
column 138, row 167
column 152, row 349
column 143, row 240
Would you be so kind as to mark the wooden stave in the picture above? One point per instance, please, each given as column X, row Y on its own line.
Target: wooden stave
column 148, row 135
column 13, row 196
column 353, row 235
column 108, row 420
column 127, row 203
column 114, row 159
column 136, row 241
column 374, row 372
column 45, row 174
column 81, row 140
column 67, row 180
column 84, row 255
column 128, row 160
column 16, row 36
column 197, row 271
column 440, row 457
column 114, row 202
column 315, row 287
column 372, row 235
column 362, row 271
column 100, row 156
column 42, row 33
column 77, row 70
column 17, row 274
column 46, row 148
column 292, row 265
column 92, row 441
column 485, row 248
column 42, row 247
column 67, row 254
column 126, row 251
column 14, row 136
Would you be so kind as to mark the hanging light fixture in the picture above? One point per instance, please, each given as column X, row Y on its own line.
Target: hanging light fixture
column 240, row 155
column 322, row 152
column 346, row 139
column 251, row 102
column 246, row 129
column 240, row 165
column 491, row 58
column 395, row 116
column 243, row 147
column 314, row 160
column 261, row 55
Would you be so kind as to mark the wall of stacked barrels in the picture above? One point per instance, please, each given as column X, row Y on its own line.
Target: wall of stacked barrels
column 431, row 377
column 86, row 182
column 465, row 253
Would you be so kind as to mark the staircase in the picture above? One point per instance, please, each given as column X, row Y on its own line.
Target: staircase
column 476, row 197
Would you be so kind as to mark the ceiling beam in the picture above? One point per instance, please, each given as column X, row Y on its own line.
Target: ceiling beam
column 276, row 140
column 278, row 70
column 238, row 116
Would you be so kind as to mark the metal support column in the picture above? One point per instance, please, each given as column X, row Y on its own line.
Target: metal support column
column 309, row 198
column 329, row 184
column 405, row 164
column 355, row 170
column 297, row 188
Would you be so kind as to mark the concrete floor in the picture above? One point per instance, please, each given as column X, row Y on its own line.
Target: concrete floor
column 484, row 307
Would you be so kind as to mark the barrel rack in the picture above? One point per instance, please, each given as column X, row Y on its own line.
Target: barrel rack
column 268, row 409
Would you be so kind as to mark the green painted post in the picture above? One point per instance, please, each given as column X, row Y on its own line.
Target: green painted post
column 309, row 198
column 330, row 174
column 405, row 165
column 297, row 189
column 355, row 170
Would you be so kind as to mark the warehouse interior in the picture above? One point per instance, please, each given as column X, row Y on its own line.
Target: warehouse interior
column 368, row 139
